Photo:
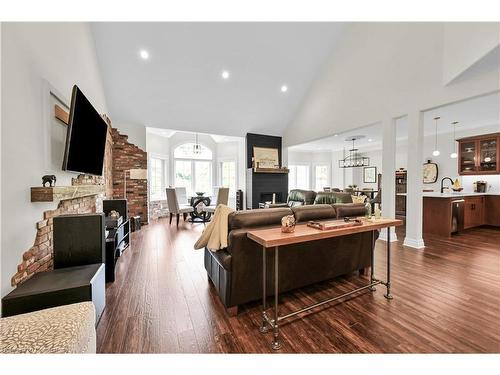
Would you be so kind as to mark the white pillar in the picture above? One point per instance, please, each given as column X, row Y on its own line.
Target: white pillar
column 388, row 170
column 414, row 202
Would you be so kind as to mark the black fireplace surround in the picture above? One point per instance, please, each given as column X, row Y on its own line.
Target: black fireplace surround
column 261, row 186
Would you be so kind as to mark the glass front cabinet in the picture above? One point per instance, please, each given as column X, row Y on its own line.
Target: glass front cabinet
column 479, row 155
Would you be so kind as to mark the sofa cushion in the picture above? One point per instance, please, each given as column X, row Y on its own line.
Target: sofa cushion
column 313, row 212
column 358, row 198
column 257, row 218
column 302, row 196
column 342, row 197
column 324, row 197
column 349, row 209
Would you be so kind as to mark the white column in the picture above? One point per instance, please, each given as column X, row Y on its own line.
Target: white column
column 388, row 170
column 414, row 185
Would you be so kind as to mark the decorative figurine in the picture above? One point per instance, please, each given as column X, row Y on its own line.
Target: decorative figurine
column 50, row 178
column 288, row 224
column 114, row 214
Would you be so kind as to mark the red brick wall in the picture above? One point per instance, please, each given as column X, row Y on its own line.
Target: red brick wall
column 120, row 157
column 39, row 257
column 128, row 156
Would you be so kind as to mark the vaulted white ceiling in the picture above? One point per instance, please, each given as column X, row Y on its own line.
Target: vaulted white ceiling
column 180, row 85
column 475, row 113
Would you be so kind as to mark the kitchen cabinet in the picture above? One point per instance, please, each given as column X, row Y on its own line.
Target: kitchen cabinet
column 492, row 210
column 479, row 155
column 478, row 210
column 473, row 212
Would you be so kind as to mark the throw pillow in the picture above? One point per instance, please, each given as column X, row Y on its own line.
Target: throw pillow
column 358, row 198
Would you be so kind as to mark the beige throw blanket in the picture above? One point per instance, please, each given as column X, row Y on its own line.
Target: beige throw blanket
column 214, row 237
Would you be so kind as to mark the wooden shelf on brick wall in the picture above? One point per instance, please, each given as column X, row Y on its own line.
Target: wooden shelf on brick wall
column 59, row 193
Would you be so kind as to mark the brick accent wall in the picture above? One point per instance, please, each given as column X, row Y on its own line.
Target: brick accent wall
column 120, row 157
column 127, row 156
column 38, row 258
column 108, row 160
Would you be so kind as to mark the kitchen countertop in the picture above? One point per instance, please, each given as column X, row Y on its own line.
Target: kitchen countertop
column 453, row 195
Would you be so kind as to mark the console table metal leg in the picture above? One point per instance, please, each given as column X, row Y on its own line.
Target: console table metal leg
column 388, row 281
column 263, row 327
column 372, row 264
column 276, row 344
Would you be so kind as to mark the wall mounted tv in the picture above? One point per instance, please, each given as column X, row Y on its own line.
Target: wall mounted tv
column 86, row 137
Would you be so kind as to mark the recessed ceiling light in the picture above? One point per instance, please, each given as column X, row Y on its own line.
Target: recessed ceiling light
column 144, row 54
column 335, row 135
column 284, row 88
column 225, row 74
column 370, row 140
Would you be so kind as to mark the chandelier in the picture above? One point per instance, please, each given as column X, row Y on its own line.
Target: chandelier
column 196, row 146
column 354, row 160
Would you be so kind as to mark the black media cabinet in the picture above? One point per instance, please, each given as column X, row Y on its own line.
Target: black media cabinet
column 118, row 234
column 58, row 287
column 117, row 240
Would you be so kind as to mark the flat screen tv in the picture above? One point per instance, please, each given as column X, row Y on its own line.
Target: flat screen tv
column 86, row 137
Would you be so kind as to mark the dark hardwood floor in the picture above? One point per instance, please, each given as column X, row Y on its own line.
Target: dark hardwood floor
column 446, row 299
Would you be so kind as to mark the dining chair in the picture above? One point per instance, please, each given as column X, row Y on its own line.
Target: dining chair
column 174, row 208
column 222, row 194
column 181, row 195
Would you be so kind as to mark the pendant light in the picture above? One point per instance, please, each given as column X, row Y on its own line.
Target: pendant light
column 454, row 154
column 436, row 151
column 196, row 146
column 354, row 159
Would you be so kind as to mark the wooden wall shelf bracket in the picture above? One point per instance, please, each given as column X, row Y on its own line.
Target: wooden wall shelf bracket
column 59, row 193
column 61, row 114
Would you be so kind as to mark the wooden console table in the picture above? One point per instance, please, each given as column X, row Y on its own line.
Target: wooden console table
column 274, row 238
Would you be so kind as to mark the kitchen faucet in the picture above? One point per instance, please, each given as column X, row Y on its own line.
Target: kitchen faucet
column 442, row 180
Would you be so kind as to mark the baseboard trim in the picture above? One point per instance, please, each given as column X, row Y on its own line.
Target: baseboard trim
column 415, row 243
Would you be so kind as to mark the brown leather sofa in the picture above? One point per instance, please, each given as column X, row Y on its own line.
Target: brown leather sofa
column 236, row 272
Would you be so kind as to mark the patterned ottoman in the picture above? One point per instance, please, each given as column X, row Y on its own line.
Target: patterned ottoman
column 62, row 329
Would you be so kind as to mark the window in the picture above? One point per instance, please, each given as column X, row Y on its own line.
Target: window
column 193, row 170
column 228, row 176
column 298, row 177
column 157, row 178
column 320, row 177
column 203, row 176
column 186, row 151
column 184, row 174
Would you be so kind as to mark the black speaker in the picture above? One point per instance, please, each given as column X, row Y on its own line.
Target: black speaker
column 79, row 240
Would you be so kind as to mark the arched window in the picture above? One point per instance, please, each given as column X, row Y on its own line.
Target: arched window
column 193, row 168
column 192, row 151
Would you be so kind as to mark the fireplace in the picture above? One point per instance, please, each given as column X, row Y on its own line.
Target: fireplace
column 268, row 197
column 261, row 186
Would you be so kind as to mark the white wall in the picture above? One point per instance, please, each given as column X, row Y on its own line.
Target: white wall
column 64, row 55
column 157, row 145
column 136, row 133
column 379, row 71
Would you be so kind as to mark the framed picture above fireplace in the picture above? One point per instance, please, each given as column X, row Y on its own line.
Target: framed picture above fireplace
column 265, row 157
